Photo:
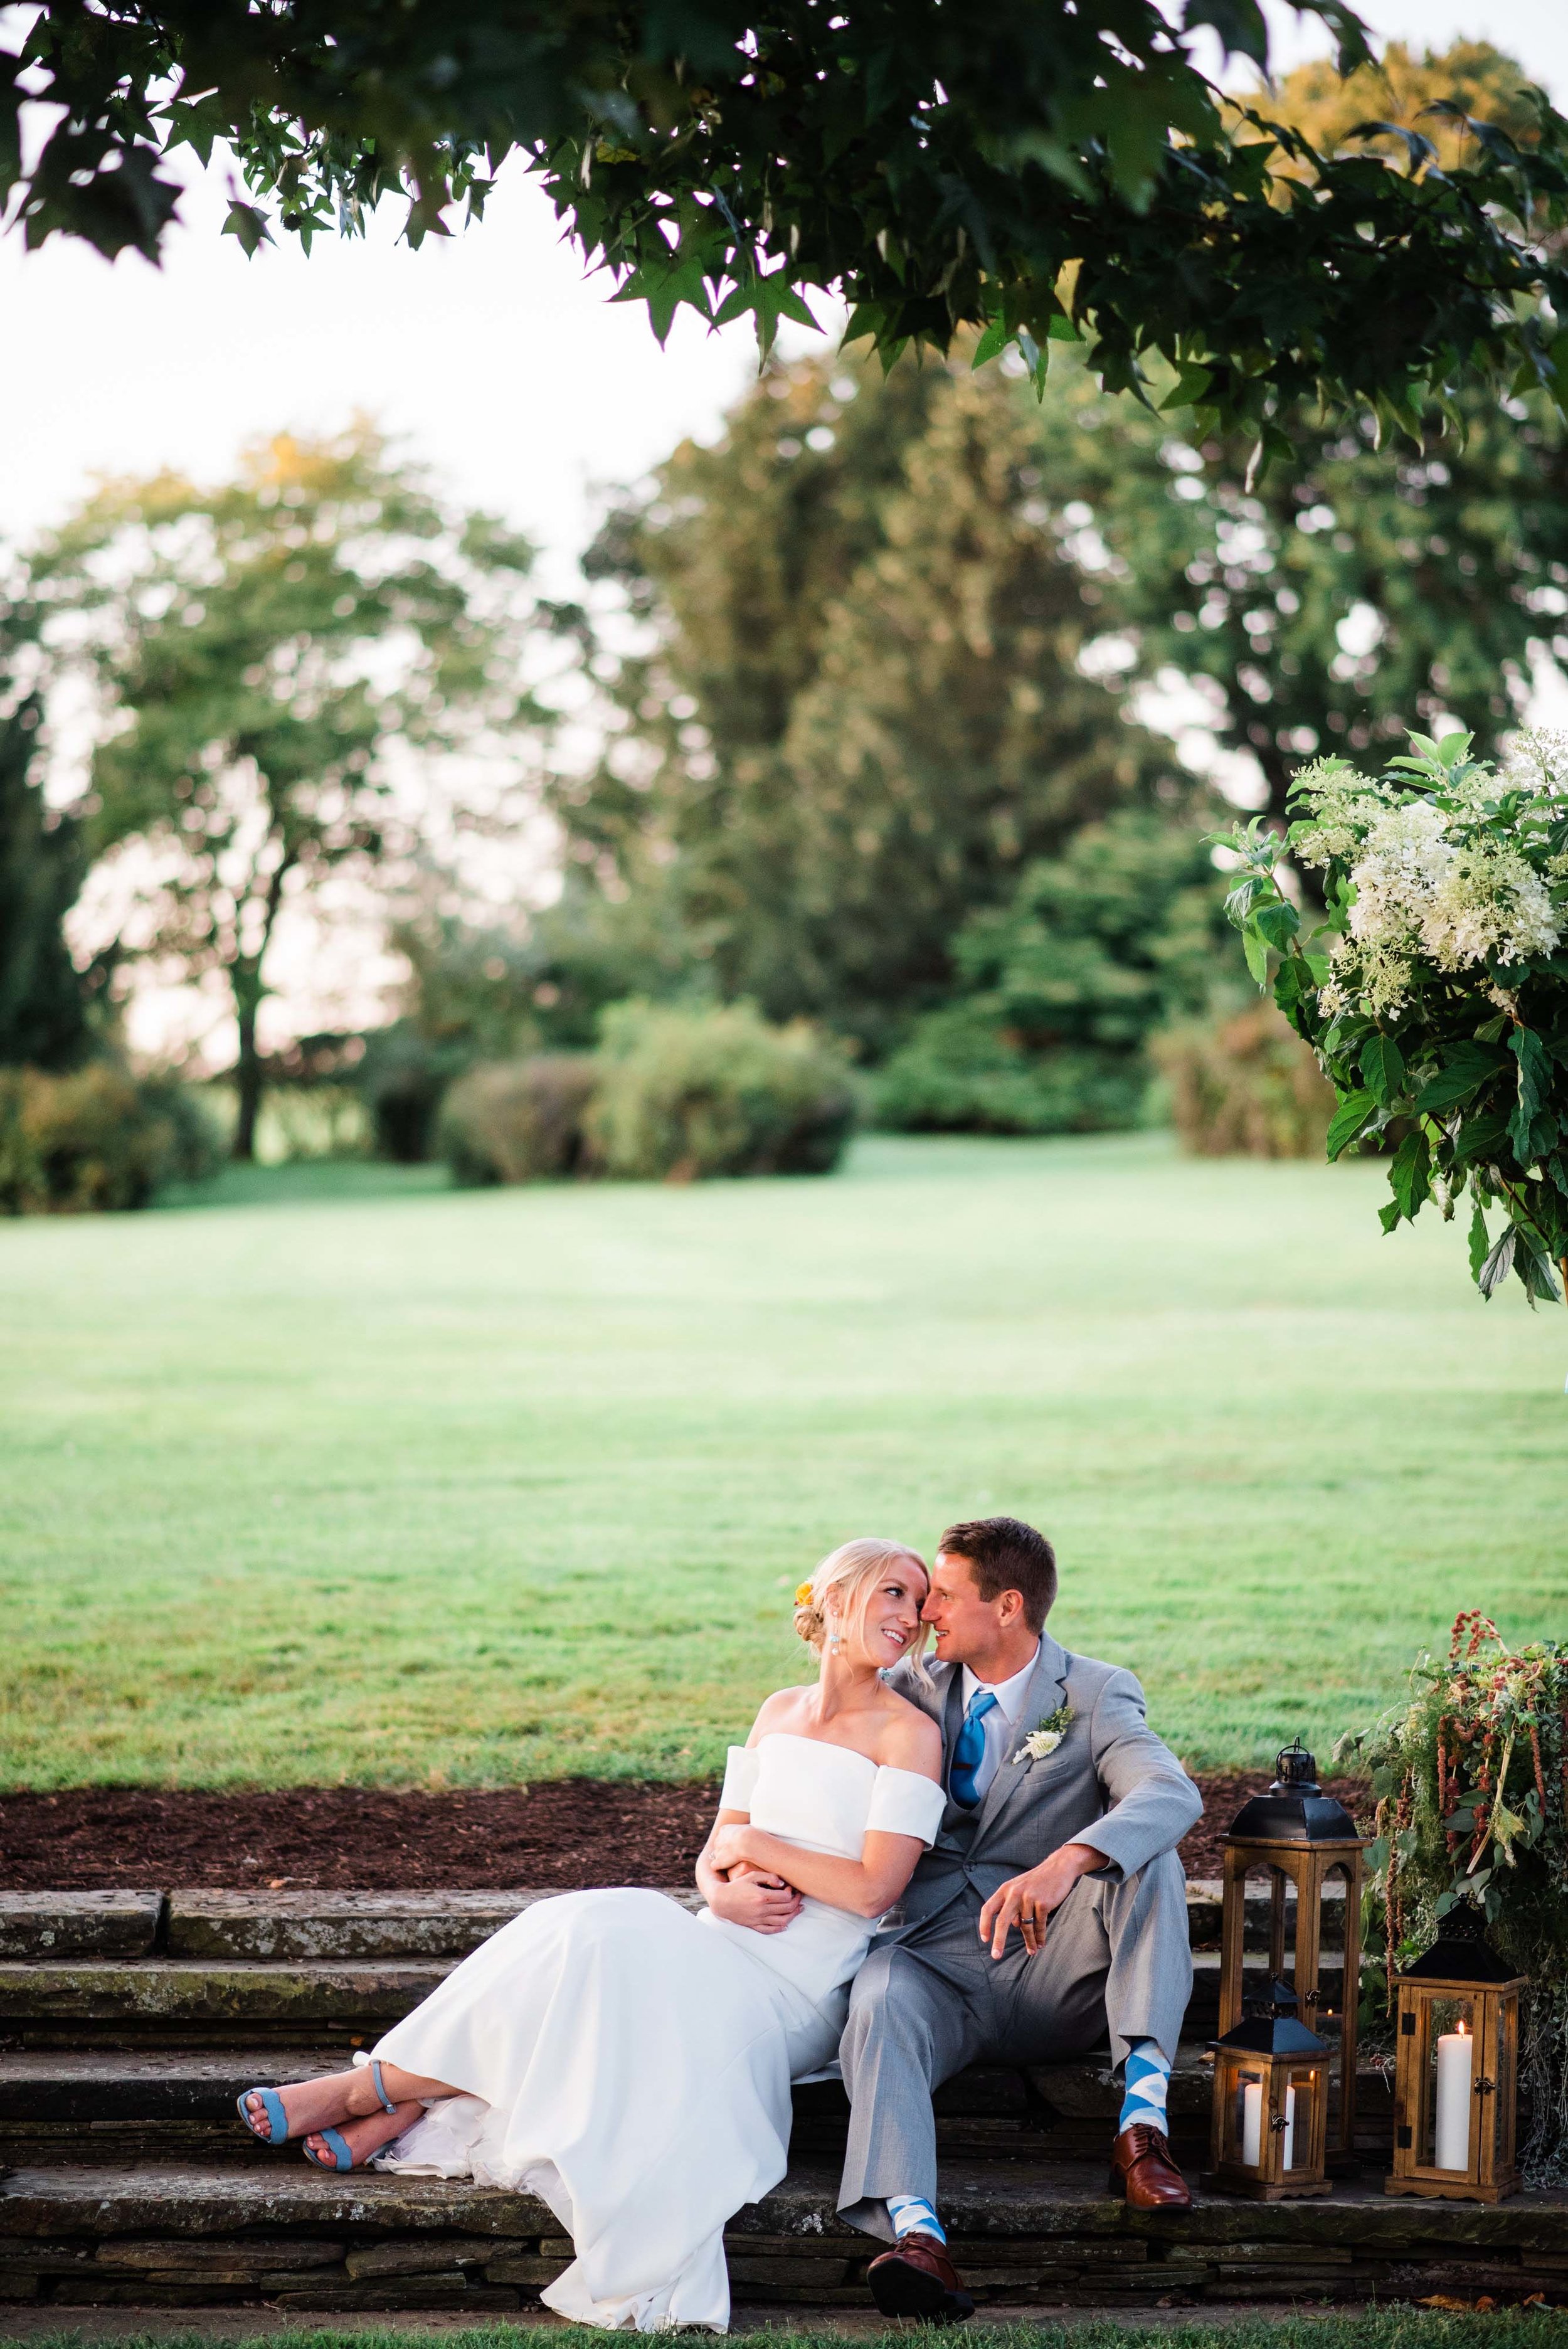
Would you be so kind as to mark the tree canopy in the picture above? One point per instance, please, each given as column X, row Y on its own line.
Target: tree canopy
column 1036, row 170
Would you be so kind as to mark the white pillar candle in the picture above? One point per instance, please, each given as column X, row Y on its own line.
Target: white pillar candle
column 1455, row 2057
column 1252, row 2122
column 1289, row 2127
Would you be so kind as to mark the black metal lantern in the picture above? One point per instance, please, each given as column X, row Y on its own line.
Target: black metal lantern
column 1271, row 2103
column 1304, row 1839
column 1455, row 2068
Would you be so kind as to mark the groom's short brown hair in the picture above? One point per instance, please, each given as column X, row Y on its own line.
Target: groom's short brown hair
column 1007, row 1555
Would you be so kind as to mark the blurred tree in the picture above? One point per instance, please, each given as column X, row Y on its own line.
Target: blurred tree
column 259, row 648
column 861, row 713
column 43, row 861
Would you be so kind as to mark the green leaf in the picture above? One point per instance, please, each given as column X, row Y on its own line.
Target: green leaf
column 1278, row 923
column 1410, row 1176
column 248, row 223
column 1256, row 953
column 1465, row 1067
column 1479, row 1140
column 1499, row 1263
column 1535, row 1268
column 1534, row 1077
column 1348, row 1119
column 1479, row 1243
column 1383, row 1067
column 993, row 342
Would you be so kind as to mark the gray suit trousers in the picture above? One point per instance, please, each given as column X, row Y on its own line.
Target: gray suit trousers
column 930, row 1999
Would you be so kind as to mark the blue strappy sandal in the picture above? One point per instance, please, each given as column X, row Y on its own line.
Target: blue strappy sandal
column 277, row 2127
column 334, row 2139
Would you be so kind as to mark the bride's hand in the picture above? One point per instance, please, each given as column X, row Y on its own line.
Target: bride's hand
column 727, row 1848
column 755, row 1897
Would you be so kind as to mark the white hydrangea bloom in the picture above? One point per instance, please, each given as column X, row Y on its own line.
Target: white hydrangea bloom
column 1490, row 902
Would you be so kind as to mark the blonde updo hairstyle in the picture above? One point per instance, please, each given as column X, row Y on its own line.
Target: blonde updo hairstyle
column 850, row 1573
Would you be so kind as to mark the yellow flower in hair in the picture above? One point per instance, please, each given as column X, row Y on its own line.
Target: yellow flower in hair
column 803, row 1595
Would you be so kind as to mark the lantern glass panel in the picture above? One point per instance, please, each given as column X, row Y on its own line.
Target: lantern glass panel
column 1304, row 2086
column 1246, row 2115
column 1451, row 2067
column 1268, row 1944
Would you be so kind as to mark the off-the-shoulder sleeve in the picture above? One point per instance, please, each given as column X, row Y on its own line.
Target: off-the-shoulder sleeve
column 739, row 1779
column 904, row 1802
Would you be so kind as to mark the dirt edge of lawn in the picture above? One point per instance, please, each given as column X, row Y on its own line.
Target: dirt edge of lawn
column 564, row 1832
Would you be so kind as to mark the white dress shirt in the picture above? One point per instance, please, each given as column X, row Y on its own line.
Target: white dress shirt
column 1001, row 1722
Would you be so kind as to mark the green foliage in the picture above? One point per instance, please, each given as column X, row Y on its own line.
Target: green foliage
column 258, row 646
column 1471, row 1780
column 1073, row 172
column 96, row 1139
column 686, row 1093
column 517, row 1120
column 1244, row 1085
column 1341, row 595
column 1059, row 992
column 1434, row 992
column 43, row 861
column 864, row 713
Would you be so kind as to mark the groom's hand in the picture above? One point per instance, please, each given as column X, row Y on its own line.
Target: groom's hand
column 1028, row 1900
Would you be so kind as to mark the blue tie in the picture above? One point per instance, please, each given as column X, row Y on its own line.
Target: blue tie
column 969, row 1751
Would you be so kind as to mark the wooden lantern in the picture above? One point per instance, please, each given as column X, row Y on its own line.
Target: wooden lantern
column 1456, row 2070
column 1270, row 2105
column 1304, row 1838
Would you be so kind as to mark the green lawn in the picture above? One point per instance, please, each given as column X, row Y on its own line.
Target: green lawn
column 349, row 1476
column 1312, row 2326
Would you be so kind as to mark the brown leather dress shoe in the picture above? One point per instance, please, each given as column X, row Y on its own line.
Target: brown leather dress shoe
column 1143, row 2172
column 917, row 2278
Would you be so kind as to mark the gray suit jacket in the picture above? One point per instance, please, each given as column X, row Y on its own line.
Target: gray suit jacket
column 1111, row 1782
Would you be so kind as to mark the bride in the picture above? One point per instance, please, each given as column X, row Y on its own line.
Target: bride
column 629, row 2062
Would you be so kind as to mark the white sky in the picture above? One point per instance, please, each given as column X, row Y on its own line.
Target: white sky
column 502, row 365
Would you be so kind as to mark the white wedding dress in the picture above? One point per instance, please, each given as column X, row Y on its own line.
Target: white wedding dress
column 630, row 2063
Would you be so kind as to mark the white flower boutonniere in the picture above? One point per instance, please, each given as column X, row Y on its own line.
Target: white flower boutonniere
column 1045, row 1738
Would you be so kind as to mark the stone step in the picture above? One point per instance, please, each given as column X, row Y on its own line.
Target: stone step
column 284, row 1926
column 171, row 2236
column 70, row 2105
column 50, row 2001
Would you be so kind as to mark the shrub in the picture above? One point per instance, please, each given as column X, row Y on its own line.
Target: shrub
column 1245, row 1087
column 963, row 1073
column 99, row 1138
column 517, row 1120
column 1058, row 992
column 684, row 1093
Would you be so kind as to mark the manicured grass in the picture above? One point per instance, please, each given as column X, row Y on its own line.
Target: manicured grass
column 462, row 1488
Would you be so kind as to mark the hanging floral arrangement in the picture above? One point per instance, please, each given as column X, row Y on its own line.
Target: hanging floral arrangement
column 1434, row 989
column 1471, row 1778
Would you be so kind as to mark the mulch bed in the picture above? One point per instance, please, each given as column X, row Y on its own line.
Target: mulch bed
column 567, row 1832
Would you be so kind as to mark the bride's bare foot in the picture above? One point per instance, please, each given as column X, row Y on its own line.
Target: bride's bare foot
column 315, row 2104
column 366, row 2135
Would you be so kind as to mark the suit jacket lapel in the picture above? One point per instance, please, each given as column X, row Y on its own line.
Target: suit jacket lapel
column 1048, row 1686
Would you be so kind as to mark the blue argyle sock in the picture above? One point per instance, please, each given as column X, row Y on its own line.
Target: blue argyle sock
column 1144, row 2080
column 912, row 2215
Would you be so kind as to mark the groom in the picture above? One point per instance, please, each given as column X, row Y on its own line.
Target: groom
column 1051, row 1908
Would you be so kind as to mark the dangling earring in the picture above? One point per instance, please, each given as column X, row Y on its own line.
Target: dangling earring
column 834, row 1642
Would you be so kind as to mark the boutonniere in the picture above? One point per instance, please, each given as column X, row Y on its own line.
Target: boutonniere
column 1045, row 1736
